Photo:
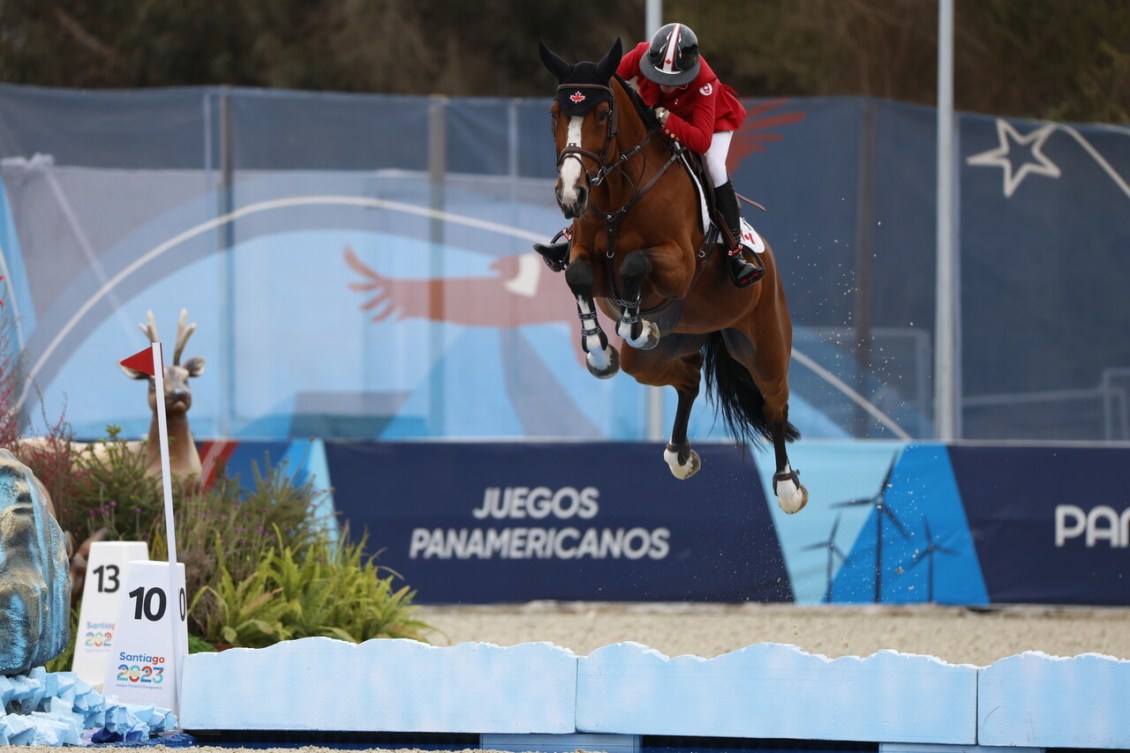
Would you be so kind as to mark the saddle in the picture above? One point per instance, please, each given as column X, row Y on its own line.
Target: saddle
column 711, row 222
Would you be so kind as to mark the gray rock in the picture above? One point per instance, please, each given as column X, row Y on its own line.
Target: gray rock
column 35, row 585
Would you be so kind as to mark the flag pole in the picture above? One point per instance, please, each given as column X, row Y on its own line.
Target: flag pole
column 166, row 474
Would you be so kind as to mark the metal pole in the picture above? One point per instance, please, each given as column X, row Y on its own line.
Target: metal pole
column 437, row 171
column 653, row 17
column 865, row 261
column 946, row 362
column 227, row 407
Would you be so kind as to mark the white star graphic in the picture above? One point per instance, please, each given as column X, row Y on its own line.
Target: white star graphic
column 1030, row 157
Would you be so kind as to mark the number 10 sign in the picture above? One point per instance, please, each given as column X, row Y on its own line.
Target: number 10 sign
column 152, row 636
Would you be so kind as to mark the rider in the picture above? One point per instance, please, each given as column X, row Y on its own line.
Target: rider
column 698, row 110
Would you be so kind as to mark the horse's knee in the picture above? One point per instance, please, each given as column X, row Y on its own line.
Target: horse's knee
column 578, row 276
column 635, row 268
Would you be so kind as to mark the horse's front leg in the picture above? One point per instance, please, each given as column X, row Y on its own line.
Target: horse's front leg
column 601, row 358
column 636, row 331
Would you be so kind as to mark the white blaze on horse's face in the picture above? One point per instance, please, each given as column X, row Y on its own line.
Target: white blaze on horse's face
column 572, row 192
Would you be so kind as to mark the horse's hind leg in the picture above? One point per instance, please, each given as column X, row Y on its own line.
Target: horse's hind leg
column 768, row 365
column 677, row 362
column 791, row 494
column 636, row 331
column 683, row 461
column 601, row 358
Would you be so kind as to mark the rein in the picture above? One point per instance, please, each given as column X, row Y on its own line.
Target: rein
column 605, row 168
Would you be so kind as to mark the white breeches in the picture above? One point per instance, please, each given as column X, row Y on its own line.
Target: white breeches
column 715, row 157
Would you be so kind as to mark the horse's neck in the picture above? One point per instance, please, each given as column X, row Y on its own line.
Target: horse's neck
column 631, row 132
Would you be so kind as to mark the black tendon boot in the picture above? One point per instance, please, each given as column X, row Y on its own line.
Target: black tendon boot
column 742, row 272
column 554, row 254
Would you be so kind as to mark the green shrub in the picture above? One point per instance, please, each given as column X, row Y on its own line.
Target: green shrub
column 227, row 524
column 325, row 588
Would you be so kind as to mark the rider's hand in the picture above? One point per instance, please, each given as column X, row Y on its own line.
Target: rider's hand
column 661, row 114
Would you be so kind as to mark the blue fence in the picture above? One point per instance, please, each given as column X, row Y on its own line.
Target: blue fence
column 360, row 266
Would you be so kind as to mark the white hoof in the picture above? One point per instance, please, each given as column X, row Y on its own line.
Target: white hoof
column 791, row 497
column 649, row 335
column 680, row 470
column 603, row 364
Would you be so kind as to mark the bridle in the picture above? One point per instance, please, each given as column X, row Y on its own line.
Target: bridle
column 610, row 132
column 605, row 168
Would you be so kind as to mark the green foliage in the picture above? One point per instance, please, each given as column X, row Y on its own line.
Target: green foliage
column 326, row 588
column 228, row 525
column 113, row 486
column 258, row 568
column 1034, row 58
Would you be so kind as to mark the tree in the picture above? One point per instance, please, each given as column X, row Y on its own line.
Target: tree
column 1056, row 59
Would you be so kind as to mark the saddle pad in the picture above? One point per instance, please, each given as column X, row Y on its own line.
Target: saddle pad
column 750, row 239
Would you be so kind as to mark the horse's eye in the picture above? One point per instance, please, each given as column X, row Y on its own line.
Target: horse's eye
column 602, row 115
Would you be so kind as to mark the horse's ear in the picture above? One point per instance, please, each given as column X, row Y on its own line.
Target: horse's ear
column 610, row 62
column 556, row 65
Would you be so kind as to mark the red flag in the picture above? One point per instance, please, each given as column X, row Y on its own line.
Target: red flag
column 141, row 361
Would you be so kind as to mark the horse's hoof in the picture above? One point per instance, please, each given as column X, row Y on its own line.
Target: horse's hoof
column 791, row 494
column 680, row 469
column 648, row 339
column 608, row 370
column 652, row 337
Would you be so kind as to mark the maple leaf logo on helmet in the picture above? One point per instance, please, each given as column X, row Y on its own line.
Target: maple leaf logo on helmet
column 576, row 97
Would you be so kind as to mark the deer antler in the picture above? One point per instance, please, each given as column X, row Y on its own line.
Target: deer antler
column 150, row 329
column 183, row 333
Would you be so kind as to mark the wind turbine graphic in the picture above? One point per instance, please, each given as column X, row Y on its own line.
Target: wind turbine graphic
column 878, row 501
column 833, row 552
column 927, row 553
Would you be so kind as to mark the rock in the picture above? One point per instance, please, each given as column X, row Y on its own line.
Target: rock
column 35, row 586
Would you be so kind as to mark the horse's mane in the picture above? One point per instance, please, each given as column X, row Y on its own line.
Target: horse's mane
column 642, row 110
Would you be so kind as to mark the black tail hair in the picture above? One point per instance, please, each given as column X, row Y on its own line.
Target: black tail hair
column 736, row 396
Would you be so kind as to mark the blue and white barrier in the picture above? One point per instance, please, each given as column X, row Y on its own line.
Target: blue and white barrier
column 537, row 696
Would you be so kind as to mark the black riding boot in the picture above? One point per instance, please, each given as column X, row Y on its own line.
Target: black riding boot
column 554, row 254
column 742, row 272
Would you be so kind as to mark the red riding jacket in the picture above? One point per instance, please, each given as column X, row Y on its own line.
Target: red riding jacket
column 698, row 109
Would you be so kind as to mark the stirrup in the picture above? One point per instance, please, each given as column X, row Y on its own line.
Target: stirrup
column 743, row 273
column 554, row 254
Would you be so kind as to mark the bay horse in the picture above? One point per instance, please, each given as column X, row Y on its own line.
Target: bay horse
column 639, row 250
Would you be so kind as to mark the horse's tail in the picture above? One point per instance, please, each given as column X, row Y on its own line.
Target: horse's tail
column 736, row 396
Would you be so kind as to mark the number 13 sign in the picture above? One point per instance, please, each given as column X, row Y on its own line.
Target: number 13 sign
column 101, row 600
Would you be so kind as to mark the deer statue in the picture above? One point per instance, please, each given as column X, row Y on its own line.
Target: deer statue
column 184, row 461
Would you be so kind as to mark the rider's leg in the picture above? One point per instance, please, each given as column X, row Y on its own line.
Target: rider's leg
column 554, row 254
column 742, row 272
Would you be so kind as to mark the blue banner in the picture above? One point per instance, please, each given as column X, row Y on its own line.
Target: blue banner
column 481, row 523
column 1051, row 524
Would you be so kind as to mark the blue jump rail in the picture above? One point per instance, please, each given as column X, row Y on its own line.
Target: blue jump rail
column 538, row 696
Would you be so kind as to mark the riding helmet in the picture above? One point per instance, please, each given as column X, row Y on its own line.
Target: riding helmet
column 672, row 59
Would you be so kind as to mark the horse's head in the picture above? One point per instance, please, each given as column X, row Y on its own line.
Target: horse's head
column 584, row 124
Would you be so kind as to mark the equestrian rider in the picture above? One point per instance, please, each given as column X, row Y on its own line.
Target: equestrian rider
column 702, row 113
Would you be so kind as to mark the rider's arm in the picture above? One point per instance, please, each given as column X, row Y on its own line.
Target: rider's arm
column 692, row 123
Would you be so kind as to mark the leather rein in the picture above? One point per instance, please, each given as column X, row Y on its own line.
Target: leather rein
column 605, row 168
